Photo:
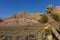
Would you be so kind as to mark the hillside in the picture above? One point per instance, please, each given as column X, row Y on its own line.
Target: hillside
column 21, row 18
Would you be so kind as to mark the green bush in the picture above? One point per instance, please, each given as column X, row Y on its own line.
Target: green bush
column 55, row 16
column 47, row 31
column 43, row 19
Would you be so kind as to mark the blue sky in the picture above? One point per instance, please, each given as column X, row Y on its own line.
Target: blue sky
column 10, row 7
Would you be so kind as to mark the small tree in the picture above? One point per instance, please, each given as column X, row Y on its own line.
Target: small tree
column 43, row 19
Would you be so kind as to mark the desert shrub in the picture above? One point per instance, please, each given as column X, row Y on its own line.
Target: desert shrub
column 43, row 19
column 47, row 31
column 31, row 37
column 55, row 16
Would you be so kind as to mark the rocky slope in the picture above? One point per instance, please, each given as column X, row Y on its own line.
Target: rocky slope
column 21, row 18
column 18, row 32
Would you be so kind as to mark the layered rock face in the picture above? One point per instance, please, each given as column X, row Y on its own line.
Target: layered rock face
column 21, row 18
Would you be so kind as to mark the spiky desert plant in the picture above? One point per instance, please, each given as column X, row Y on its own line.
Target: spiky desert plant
column 47, row 29
column 49, row 9
column 43, row 19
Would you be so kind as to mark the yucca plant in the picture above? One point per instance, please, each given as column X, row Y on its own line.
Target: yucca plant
column 43, row 19
column 47, row 31
column 49, row 9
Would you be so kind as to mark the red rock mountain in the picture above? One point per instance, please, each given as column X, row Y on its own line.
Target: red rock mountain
column 21, row 18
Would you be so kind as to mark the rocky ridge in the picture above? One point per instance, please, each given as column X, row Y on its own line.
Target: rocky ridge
column 21, row 18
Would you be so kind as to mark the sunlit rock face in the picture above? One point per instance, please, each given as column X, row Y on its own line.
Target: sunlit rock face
column 57, row 9
column 21, row 18
column 26, row 15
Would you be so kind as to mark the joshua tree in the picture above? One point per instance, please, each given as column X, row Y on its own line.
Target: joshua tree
column 49, row 9
column 43, row 19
